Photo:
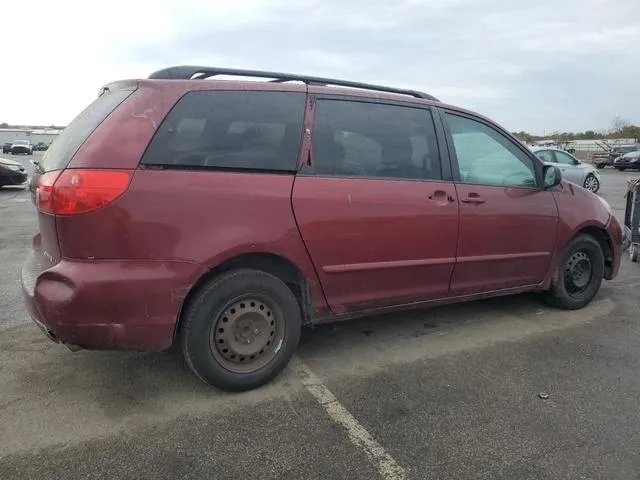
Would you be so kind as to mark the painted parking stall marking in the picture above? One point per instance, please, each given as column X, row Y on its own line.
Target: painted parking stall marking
column 361, row 438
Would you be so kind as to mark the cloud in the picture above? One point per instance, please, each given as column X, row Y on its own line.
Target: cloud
column 569, row 65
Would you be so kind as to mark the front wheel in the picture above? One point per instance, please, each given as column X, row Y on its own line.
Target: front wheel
column 578, row 276
column 241, row 330
column 591, row 183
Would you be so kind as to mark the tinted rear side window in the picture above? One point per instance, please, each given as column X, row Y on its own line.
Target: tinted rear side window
column 361, row 139
column 231, row 130
column 59, row 154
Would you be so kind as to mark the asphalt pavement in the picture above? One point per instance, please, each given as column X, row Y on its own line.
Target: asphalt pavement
column 446, row 393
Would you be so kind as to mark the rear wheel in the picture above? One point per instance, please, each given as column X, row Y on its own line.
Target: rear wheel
column 241, row 330
column 578, row 276
column 591, row 183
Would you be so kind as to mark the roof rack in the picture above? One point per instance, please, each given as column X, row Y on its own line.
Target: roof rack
column 189, row 72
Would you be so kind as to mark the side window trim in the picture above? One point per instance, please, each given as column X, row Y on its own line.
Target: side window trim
column 447, row 152
column 537, row 163
column 306, row 151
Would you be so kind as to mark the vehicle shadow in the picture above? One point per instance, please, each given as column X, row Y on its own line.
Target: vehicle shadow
column 126, row 380
column 118, row 386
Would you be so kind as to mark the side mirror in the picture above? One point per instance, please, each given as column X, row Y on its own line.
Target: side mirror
column 552, row 176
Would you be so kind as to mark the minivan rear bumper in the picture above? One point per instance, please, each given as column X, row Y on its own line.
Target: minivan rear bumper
column 107, row 304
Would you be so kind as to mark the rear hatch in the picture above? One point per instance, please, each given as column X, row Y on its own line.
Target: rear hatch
column 48, row 173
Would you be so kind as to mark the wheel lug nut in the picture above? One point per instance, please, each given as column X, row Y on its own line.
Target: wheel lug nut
column 256, row 331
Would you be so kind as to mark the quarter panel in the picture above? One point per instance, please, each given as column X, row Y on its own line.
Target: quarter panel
column 204, row 217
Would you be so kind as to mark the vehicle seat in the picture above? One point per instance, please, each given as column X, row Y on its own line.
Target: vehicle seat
column 328, row 155
column 396, row 162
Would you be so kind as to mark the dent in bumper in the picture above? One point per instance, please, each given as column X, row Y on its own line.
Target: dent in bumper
column 108, row 304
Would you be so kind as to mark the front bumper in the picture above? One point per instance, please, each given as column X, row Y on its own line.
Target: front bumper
column 12, row 177
column 619, row 164
column 614, row 230
column 109, row 304
column 16, row 150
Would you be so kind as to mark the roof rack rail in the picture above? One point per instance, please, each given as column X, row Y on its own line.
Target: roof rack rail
column 190, row 72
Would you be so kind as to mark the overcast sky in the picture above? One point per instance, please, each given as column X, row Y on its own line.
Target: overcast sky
column 533, row 65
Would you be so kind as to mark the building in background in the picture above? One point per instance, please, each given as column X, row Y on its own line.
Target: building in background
column 32, row 135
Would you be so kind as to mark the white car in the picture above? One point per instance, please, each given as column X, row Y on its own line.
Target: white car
column 21, row 146
column 573, row 170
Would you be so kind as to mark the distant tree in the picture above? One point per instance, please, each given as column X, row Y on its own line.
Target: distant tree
column 630, row 131
column 4, row 125
column 618, row 125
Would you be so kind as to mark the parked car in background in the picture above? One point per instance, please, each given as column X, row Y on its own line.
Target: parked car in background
column 21, row 147
column 12, row 172
column 629, row 160
column 601, row 160
column 234, row 212
column 6, row 147
column 572, row 169
column 40, row 147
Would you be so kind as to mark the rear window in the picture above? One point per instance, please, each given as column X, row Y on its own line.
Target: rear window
column 66, row 145
column 231, row 130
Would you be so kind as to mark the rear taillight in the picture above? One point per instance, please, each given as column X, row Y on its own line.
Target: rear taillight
column 70, row 192
column 44, row 191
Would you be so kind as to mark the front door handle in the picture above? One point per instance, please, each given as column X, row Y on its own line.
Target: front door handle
column 473, row 198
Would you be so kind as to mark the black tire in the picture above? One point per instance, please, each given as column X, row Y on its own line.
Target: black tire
column 560, row 294
column 202, row 320
column 622, row 169
column 600, row 165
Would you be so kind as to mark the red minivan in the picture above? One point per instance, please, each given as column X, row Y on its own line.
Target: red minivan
column 224, row 215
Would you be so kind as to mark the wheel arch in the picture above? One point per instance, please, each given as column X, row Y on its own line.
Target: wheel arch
column 593, row 175
column 600, row 234
column 271, row 263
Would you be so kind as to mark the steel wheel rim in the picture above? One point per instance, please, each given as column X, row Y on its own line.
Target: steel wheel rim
column 591, row 184
column 578, row 272
column 247, row 334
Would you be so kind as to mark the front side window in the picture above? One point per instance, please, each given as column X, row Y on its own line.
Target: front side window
column 234, row 130
column 487, row 157
column 565, row 158
column 546, row 156
column 359, row 139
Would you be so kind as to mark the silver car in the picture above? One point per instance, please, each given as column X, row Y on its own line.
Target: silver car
column 573, row 170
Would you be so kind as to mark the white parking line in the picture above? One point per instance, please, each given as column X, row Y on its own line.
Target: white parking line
column 386, row 465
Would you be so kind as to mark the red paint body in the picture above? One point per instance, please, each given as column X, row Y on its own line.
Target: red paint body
column 119, row 276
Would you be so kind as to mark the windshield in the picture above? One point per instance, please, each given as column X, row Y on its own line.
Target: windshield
column 21, row 142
